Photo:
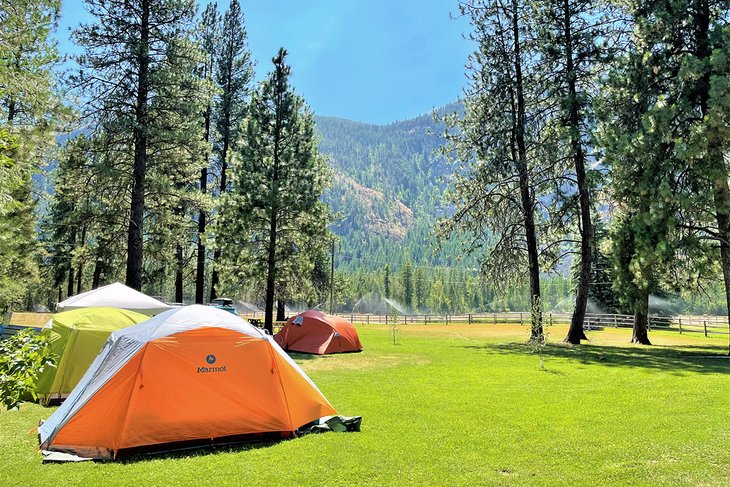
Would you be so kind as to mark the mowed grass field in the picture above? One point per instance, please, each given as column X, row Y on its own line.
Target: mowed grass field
column 465, row 405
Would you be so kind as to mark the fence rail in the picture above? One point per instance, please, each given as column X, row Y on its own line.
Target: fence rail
column 704, row 324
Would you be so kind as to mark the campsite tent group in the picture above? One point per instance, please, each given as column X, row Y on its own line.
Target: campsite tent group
column 189, row 375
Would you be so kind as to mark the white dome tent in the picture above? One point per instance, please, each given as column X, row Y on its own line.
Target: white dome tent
column 115, row 295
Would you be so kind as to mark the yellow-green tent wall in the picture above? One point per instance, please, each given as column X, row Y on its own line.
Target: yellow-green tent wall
column 76, row 338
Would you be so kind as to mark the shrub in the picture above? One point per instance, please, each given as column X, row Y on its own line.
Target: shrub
column 22, row 358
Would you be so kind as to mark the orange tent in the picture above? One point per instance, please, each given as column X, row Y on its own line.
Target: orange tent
column 192, row 374
column 316, row 332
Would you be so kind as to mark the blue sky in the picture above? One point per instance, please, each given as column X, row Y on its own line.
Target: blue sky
column 374, row 61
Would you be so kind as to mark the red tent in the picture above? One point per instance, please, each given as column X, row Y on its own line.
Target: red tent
column 316, row 332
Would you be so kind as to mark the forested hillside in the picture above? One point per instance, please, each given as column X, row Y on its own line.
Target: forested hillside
column 387, row 191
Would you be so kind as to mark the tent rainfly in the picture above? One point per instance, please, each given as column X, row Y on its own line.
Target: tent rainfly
column 115, row 295
column 318, row 333
column 76, row 338
column 188, row 376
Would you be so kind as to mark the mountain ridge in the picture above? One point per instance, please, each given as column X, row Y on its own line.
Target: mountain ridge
column 387, row 174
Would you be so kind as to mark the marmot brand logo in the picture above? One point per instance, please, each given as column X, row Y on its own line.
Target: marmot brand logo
column 211, row 360
column 203, row 370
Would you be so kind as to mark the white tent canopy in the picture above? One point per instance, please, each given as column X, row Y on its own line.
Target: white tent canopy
column 115, row 295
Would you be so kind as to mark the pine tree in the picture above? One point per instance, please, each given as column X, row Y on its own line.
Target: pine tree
column 18, row 270
column 386, row 281
column 208, row 37
column 135, row 74
column 407, row 284
column 664, row 126
column 31, row 114
column 234, row 73
column 420, row 288
column 273, row 216
column 496, row 187
column 643, row 180
column 569, row 34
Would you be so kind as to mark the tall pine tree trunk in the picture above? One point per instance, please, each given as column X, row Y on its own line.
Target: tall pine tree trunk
column 524, row 181
column 70, row 285
column 214, row 279
column 722, row 205
column 200, row 264
column 98, row 266
column 136, row 222
column 223, row 187
column 179, row 265
column 640, row 332
column 81, row 262
column 72, row 244
column 575, row 332
column 270, row 276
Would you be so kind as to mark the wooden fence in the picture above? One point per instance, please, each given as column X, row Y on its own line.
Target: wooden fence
column 706, row 325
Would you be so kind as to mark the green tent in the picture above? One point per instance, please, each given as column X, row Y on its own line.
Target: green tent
column 77, row 337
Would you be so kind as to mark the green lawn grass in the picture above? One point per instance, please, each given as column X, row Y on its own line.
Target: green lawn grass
column 465, row 405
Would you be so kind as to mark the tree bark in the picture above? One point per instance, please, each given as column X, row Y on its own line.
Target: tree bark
column 575, row 332
column 136, row 222
column 202, row 217
column 179, row 265
column 214, row 280
column 200, row 264
column 70, row 286
column 80, row 275
column 226, row 142
column 524, row 181
column 270, row 276
column 97, row 274
column 280, row 310
column 640, row 332
column 274, row 215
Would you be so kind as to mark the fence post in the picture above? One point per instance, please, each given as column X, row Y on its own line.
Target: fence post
column 705, row 325
column 521, row 322
column 470, row 318
column 680, row 326
column 425, row 319
column 386, row 319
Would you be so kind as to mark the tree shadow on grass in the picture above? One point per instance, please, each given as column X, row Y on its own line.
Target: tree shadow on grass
column 675, row 359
